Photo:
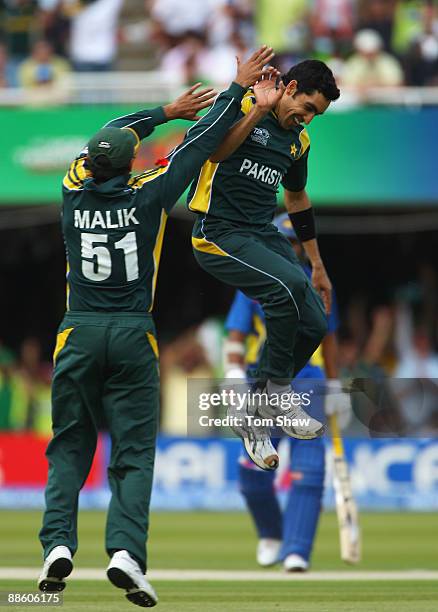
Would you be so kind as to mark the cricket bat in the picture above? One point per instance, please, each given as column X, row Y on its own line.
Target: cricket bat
column 346, row 509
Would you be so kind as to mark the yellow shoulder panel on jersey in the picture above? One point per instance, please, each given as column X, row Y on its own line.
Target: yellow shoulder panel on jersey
column 305, row 141
column 200, row 201
column 76, row 175
column 137, row 182
column 248, row 101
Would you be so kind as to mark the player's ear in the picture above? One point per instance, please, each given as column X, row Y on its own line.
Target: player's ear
column 291, row 88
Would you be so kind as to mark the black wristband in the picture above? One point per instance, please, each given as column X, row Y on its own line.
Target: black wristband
column 303, row 223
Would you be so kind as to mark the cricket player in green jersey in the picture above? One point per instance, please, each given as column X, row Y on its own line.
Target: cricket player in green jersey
column 106, row 357
column 234, row 197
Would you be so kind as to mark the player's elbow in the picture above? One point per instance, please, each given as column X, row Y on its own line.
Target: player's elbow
column 216, row 158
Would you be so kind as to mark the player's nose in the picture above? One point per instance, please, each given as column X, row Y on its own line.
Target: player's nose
column 308, row 118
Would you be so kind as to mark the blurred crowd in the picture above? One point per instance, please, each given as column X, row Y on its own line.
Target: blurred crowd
column 25, row 388
column 372, row 43
column 368, row 43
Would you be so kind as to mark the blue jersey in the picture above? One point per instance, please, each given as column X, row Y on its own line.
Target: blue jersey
column 247, row 316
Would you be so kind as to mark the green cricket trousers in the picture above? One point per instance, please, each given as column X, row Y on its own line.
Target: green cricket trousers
column 106, row 365
column 261, row 262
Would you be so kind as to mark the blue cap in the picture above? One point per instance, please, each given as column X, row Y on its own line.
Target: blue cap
column 282, row 222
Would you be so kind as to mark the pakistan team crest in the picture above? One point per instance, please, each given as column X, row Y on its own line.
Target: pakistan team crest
column 260, row 135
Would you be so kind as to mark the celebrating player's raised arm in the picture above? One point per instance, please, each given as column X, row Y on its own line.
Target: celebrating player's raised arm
column 301, row 215
column 142, row 122
column 187, row 106
column 203, row 138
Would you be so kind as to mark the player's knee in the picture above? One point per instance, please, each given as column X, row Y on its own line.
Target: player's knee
column 308, row 463
column 288, row 293
column 311, row 479
column 297, row 287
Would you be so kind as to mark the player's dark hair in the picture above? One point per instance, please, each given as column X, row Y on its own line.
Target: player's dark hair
column 311, row 76
column 102, row 170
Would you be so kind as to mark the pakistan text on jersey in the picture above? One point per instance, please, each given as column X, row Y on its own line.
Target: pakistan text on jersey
column 262, row 173
column 109, row 219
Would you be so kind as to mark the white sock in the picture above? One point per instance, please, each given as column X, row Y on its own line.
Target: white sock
column 273, row 388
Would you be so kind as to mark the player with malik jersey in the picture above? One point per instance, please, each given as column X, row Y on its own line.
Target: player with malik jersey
column 106, row 356
column 234, row 240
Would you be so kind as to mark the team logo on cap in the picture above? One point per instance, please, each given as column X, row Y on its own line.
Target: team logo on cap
column 104, row 145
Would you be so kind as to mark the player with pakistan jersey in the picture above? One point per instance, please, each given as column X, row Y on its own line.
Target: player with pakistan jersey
column 106, row 357
column 234, row 197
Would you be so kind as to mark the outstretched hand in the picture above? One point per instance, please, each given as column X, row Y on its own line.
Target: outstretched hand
column 267, row 92
column 251, row 71
column 188, row 104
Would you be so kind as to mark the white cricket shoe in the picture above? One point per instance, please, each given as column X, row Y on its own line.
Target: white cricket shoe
column 268, row 551
column 57, row 566
column 256, row 439
column 295, row 563
column 125, row 573
column 295, row 422
column 260, row 449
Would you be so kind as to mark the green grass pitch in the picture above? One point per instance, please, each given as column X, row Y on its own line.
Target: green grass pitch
column 226, row 541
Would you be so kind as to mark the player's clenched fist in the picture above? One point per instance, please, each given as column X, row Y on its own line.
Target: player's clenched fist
column 250, row 72
column 188, row 105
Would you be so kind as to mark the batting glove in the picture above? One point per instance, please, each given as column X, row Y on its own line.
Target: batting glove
column 338, row 402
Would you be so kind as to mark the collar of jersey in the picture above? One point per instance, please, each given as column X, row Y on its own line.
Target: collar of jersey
column 114, row 187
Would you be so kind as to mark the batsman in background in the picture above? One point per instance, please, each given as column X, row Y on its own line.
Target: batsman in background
column 235, row 198
column 106, row 357
column 288, row 535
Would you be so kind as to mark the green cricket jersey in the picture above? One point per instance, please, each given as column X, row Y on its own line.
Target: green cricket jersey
column 114, row 230
column 243, row 188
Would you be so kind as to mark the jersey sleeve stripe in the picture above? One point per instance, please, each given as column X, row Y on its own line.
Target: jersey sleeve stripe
column 73, row 179
column 81, row 171
column 123, row 117
column 69, row 181
column 75, row 171
column 76, row 174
